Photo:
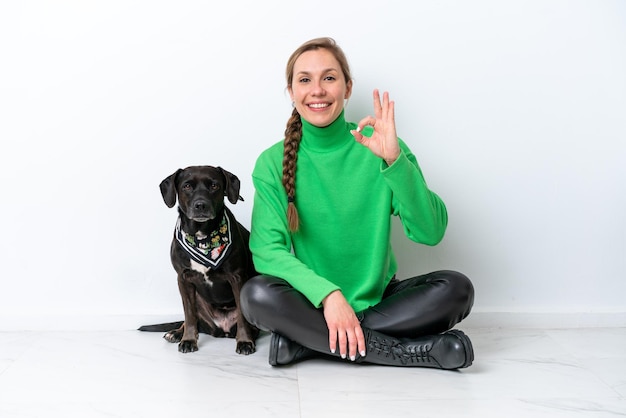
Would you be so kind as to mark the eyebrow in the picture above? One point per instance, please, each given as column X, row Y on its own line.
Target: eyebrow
column 327, row 70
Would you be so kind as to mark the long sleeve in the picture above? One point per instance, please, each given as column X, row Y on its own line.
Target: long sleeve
column 423, row 213
column 271, row 242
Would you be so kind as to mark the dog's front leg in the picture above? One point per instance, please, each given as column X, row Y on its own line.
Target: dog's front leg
column 189, row 342
column 246, row 333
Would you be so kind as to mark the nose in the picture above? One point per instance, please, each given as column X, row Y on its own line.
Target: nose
column 200, row 205
column 317, row 89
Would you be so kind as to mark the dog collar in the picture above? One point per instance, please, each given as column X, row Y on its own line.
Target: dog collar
column 210, row 250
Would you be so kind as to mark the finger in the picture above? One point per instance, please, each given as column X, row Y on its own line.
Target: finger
column 342, row 343
column 385, row 108
column 366, row 121
column 377, row 105
column 332, row 339
column 352, row 345
column 357, row 135
column 391, row 114
column 360, row 337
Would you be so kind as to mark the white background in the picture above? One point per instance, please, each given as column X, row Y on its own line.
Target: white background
column 515, row 110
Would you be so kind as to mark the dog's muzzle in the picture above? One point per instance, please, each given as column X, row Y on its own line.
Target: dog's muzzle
column 201, row 210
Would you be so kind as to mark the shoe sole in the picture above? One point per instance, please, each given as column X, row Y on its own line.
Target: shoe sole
column 467, row 345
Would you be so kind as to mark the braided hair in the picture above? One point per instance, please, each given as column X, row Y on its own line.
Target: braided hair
column 293, row 131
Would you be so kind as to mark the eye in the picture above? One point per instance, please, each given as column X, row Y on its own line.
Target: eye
column 304, row 80
column 215, row 186
column 186, row 187
column 330, row 78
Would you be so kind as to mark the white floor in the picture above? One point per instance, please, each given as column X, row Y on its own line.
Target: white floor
column 516, row 373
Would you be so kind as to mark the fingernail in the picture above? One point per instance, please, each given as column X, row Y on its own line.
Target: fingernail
column 352, row 358
column 332, row 350
column 363, row 353
column 358, row 129
column 343, row 356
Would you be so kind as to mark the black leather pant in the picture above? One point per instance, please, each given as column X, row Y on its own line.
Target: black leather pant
column 423, row 305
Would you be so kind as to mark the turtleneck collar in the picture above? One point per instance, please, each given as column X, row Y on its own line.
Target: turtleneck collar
column 328, row 138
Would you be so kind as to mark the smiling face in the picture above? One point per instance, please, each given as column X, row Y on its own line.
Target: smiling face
column 318, row 87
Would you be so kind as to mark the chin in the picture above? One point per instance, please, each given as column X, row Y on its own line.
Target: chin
column 321, row 121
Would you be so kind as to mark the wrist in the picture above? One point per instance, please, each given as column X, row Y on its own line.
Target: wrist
column 330, row 296
column 391, row 160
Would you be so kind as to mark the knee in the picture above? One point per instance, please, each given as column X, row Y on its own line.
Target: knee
column 256, row 298
column 459, row 286
column 462, row 287
column 253, row 292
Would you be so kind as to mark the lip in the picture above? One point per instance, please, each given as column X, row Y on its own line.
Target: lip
column 201, row 218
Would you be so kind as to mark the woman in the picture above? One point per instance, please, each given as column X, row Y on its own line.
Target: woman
column 321, row 229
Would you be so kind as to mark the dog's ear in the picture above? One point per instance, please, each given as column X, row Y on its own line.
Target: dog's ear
column 232, row 186
column 168, row 189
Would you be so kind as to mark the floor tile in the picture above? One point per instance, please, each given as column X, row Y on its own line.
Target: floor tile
column 516, row 373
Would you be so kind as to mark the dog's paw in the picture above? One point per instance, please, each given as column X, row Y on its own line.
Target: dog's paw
column 245, row 347
column 173, row 336
column 188, row 346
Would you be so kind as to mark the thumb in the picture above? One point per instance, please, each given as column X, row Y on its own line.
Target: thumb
column 358, row 136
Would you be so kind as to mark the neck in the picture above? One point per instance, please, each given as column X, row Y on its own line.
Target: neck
column 327, row 138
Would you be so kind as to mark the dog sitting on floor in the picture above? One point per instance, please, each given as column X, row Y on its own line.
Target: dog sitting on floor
column 210, row 254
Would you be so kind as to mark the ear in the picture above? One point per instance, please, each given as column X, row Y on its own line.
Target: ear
column 168, row 189
column 348, row 90
column 232, row 186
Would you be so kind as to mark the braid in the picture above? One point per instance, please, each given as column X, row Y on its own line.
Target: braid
column 293, row 134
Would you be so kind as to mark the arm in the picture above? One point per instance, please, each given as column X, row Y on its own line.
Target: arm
column 423, row 213
column 271, row 244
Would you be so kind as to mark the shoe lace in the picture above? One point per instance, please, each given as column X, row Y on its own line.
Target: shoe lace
column 397, row 351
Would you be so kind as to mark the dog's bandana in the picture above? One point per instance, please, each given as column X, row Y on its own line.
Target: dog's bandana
column 210, row 250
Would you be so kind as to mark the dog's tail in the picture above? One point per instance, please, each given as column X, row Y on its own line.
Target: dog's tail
column 168, row 326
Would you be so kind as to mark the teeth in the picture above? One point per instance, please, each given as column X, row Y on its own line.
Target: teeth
column 318, row 105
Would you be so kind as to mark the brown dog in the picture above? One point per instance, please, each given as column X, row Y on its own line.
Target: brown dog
column 210, row 253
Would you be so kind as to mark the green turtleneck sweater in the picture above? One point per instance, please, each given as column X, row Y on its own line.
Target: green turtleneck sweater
column 345, row 197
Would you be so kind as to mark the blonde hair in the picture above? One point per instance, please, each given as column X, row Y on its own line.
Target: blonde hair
column 293, row 131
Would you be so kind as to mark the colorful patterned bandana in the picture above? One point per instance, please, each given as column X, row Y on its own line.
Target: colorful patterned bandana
column 210, row 250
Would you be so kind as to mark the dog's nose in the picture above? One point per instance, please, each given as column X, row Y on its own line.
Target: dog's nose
column 200, row 205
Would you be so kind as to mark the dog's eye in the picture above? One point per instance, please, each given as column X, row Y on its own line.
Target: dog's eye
column 186, row 187
column 215, row 186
